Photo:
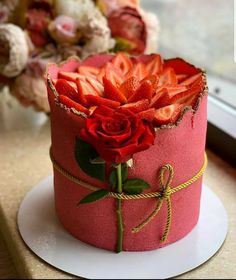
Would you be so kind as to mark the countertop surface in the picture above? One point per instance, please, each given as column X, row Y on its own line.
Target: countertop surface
column 24, row 161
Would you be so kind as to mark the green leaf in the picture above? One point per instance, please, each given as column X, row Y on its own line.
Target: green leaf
column 135, row 186
column 95, row 196
column 123, row 44
column 113, row 176
column 85, row 154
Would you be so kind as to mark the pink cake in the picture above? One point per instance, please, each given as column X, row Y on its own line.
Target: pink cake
column 117, row 124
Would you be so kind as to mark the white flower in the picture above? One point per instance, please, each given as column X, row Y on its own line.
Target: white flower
column 14, row 50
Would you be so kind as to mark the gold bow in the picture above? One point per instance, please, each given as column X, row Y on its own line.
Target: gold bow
column 165, row 195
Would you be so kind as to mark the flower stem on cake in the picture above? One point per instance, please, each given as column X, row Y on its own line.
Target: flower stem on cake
column 119, row 210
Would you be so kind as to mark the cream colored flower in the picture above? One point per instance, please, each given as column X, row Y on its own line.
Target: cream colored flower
column 31, row 91
column 92, row 24
column 13, row 50
column 153, row 29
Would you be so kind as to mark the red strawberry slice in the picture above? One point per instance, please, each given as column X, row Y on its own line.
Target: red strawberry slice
column 139, row 71
column 154, row 66
column 197, row 78
column 168, row 114
column 144, row 91
column 84, row 88
column 97, row 101
column 114, row 75
column 99, row 88
column 191, row 100
column 72, row 84
column 88, row 71
column 160, row 99
column 63, row 87
column 113, row 93
column 181, row 77
column 101, row 74
column 168, row 77
column 122, row 62
column 136, row 107
column 173, row 90
column 154, row 80
column 71, row 76
column 129, row 86
column 148, row 115
column 72, row 104
column 182, row 97
column 181, row 67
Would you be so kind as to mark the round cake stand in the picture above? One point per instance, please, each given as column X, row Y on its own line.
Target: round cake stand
column 42, row 232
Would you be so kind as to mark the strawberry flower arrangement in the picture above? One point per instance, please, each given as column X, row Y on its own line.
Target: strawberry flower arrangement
column 35, row 32
column 124, row 101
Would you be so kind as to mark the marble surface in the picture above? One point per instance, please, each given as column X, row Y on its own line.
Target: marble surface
column 24, row 161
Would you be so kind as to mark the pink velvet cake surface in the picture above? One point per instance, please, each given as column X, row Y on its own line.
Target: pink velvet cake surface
column 182, row 146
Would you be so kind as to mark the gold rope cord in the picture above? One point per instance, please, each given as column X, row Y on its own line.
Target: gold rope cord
column 164, row 194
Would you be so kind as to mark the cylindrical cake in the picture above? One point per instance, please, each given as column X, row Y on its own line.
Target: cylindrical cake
column 182, row 145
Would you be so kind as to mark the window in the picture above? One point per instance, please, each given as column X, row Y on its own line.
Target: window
column 202, row 32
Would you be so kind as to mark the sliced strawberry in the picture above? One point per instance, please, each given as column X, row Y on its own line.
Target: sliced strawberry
column 114, row 75
column 148, row 115
column 157, row 100
column 99, row 88
column 88, row 71
column 191, row 100
column 136, row 107
column 154, row 66
column 197, row 78
column 181, row 77
column 139, row 71
column 112, row 92
column 182, row 97
column 154, row 80
column 181, row 67
column 84, row 88
column 122, row 62
column 64, row 87
column 97, row 101
column 168, row 114
column 71, row 76
column 101, row 74
column 168, row 77
column 173, row 90
column 144, row 91
column 129, row 86
column 72, row 104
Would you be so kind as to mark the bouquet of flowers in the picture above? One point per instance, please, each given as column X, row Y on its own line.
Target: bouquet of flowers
column 35, row 32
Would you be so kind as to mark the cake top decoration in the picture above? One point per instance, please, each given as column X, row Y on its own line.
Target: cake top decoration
column 156, row 90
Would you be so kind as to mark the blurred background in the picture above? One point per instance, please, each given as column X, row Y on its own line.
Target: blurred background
column 202, row 32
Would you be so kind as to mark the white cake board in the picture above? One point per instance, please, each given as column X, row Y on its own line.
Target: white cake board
column 42, row 232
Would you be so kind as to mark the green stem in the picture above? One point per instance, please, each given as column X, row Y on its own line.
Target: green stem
column 119, row 211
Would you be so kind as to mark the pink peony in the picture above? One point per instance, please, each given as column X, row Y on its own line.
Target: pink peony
column 108, row 6
column 64, row 29
column 127, row 24
column 38, row 17
column 4, row 13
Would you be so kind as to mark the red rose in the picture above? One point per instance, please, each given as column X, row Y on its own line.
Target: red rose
column 127, row 23
column 116, row 134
